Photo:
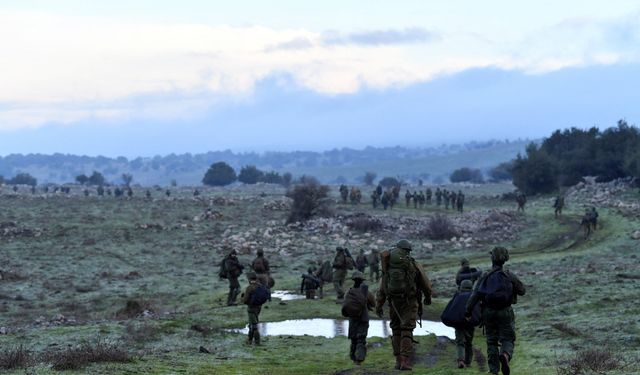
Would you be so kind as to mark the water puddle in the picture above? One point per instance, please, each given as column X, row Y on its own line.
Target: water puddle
column 330, row 328
column 285, row 295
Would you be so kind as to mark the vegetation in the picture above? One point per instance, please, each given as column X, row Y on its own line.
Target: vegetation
column 310, row 199
column 250, row 175
column 389, row 182
column 501, row 172
column 369, row 178
column 219, row 174
column 467, row 175
column 23, row 179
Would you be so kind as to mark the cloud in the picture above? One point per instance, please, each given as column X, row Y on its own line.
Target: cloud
column 383, row 37
column 293, row 44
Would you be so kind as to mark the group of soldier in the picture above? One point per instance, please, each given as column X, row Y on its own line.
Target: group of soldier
column 354, row 195
column 403, row 287
column 450, row 198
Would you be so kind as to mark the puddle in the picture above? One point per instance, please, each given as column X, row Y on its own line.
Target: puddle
column 285, row 295
column 330, row 328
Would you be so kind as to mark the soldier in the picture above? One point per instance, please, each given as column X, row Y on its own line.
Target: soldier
column 407, row 197
column 339, row 271
column 100, row 191
column 385, row 200
column 460, row 201
column 344, row 193
column 373, row 261
column 521, row 199
column 374, row 199
column 558, row 204
column 379, row 190
column 254, row 307
column 260, row 266
column 415, row 199
column 585, row 223
column 594, row 218
column 467, row 273
column 234, row 270
column 196, row 192
column 15, row 188
column 438, row 197
column 453, row 196
column 403, row 285
column 464, row 335
column 359, row 324
column 147, row 194
column 421, row 199
column 310, row 283
column 167, row 193
column 86, row 192
column 361, row 261
column 325, row 275
column 497, row 289
column 429, row 196
column 447, row 197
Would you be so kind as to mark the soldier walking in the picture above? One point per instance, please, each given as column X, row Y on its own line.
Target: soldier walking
column 310, row 283
column 497, row 290
column 361, row 261
column 233, row 271
column 361, row 302
column 429, row 196
column 373, row 261
column 403, row 285
column 558, row 205
column 260, row 266
column 460, row 201
column 339, row 271
column 254, row 296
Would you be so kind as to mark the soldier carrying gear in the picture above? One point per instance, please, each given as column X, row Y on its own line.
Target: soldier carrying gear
column 429, row 193
column 233, row 270
column 254, row 296
column 558, row 204
column 460, row 201
column 467, row 273
column 310, row 283
column 260, row 266
column 373, row 261
column 361, row 261
column 356, row 306
column 497, row 290
column 339, row 271
column 403, row 286
column 407, row 197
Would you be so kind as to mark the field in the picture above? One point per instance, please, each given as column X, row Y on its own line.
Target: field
column 106, row 285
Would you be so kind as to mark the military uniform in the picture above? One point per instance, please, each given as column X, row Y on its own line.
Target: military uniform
column 467, row 273
column 404, row 307
column 260, row 266
column 310, row 283
column 361, row 261
column 407, row 197
column 558, row 205
column 499, row 323
column 253, row 311
column 438, row 197
column 373, row 261
column 359, row 327
column 460, row 201
column 339, row 271
column 234, row 270
column 429, row 195
column 325, row 275
column 464, row 335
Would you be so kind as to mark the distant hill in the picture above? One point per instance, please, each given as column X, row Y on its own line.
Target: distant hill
column 338, row 165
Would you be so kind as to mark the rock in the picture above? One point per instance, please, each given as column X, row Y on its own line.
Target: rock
column 636, row 235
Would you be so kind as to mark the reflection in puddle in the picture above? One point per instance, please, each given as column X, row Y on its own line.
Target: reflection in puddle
column 285, row 295
column 331, row 328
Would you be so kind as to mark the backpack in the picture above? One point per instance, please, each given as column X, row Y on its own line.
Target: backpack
column 222, row 271
column 349, row 263
column 497, row 290
column 325, row 272
column 453, row 314
column 259, row 295
column 258, row 265
column 401, row 274
column 311, row 282
column 355, row 302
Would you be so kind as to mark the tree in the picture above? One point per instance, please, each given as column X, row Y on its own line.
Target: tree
column 23, row 179
column 389, row 182
column 272, row 178
column 219, row 174
column 127, row 178
column 250, row 175
column 286, row 179
column 501, row 172
column 369, row 178
column 96, row 178
column 535, row 173
column 82, row 179
column 309, row 199
column 466, row 175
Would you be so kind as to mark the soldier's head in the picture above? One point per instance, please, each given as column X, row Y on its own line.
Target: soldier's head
column 466, row 285
column 357, row 275
column 260, row 252
column 339, row 248
column 499, row 255
column 464, row 262
column 404, row 244
column 252, row 276
column 233, row 252
column 311, row 269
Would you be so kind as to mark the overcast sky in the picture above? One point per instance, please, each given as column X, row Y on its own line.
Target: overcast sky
column 126, row 77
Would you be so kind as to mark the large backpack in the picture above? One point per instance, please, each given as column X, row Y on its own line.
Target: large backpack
column 311, row 282
column 349, row 263
column 401, row 274
column 258, row 265
column 497, row 290
column 453, row 314
column 326, row 273
column 222, row 269
column 259, row 295
column 355, row 302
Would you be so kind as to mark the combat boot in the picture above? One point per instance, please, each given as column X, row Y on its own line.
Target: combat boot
column 405, row 363
column 397, row 366
column 504, row 363
column 461, row 363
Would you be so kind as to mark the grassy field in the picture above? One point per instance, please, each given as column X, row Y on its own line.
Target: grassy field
column 139, row 277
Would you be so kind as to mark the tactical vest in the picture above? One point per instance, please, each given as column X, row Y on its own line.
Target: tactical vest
column 401, row 275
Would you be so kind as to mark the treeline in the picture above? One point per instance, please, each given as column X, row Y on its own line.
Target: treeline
column 221, row 174
column 567, row 156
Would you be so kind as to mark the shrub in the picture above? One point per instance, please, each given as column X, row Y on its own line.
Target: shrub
column 501, row 172
column 250, row 175
column 81, row 356
column 14, row 358
column 309, row 199
column 219, row 174
column 96, row 178
column 365, row 223
column 369, row 178
column 389, row 182
column 536, row 173
column 466, row 175
column 82, row 179
column 598, row 360
column 23, row 179
column 272, row 178
column 440, row 227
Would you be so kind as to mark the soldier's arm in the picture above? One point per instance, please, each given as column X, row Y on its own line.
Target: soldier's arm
column 302, row 285
column 424, row 284
column 381, row 297
column 474, row 298
column 518, row 286
column 247, row 295
column 371, row 301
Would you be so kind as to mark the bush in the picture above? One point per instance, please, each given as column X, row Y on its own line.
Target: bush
column 466, row 175
column 598, row 360
column 96, row 178
column 535, row 173
column 82, row 179
column 273, row 178
column 286, row 179
column 365, row 223
column 81, row 356
column 127, row 178
column 23, row 179
column 14, row 358
column 309, row 199
column 501, row 172
column 440, row 227
column 369, row 178
column 250, row 175
column 389, row 182
column 219, row 174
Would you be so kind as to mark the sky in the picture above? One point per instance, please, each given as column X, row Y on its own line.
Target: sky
column 140, row 78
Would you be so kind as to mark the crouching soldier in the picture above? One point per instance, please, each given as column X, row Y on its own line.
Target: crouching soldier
column 254, row 297
column 358, row 301
column 310, row 283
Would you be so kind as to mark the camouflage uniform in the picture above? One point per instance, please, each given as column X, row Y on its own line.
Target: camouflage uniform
column 464, row 335
column 558, row 205
column 374, row 199
column 325, row 275
column 429, row 195
column 339, row 271
column 234, row 270
column 310, row 283
column 253, row 311
column 344, row 193
column 406, row 308
column 359, row 327
column 407, row 197
column 415, row 199
column 467, row 273
column 260, row 266
column 373, row 261
column 445, row 195
column 361, row 261
column 438, row 197
column 460, row 201
column 499, row 323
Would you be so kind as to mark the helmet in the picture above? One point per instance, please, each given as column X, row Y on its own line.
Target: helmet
column 339, row 248
column 499, row 254
column 252, row 276
column 311, row 269
column 404, row 244
column 233, row 252
column 260, row 252
column 466, row 285
column 357, row 275
column 464, row 262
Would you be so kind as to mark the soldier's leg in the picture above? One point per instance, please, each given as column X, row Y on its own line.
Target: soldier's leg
column 507, row 331
column 460, row 343
column 468, row 345
column 234, row 290
column 493, row 336
column 321, row 289
column 409, row 312
column 361, row 341
column 312, row 294
column 396, row 335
